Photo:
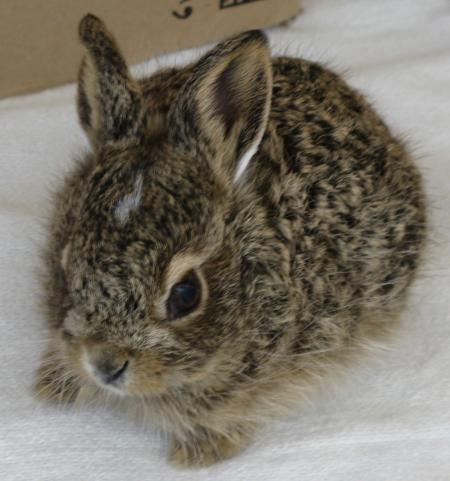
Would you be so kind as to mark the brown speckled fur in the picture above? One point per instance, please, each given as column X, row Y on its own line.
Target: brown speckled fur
column 303, row 260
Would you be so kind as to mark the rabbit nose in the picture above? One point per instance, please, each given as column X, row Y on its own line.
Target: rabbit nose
column 110, row 372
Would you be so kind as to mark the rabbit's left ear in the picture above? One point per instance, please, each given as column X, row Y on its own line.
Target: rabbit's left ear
column 223, row 108
column 109, row 101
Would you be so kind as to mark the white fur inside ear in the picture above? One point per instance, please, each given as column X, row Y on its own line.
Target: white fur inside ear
column 65, row 256
column 130, row 202
column 247, row 156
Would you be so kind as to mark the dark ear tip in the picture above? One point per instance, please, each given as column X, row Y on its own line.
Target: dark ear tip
column 257, row 36
column 88, row 25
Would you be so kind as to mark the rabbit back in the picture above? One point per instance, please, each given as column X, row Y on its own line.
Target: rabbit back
column 349, row 196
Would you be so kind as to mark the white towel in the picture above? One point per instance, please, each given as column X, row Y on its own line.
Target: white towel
column 390, row 420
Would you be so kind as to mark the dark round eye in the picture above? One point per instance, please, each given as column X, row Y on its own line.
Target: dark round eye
column 184, row 296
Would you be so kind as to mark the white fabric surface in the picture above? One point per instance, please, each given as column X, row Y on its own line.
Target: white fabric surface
column 390, row 420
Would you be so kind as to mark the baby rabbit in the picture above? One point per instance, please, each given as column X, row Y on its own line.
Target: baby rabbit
column 241, row 226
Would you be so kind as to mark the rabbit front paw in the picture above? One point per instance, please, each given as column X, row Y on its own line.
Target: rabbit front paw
column 206, row 449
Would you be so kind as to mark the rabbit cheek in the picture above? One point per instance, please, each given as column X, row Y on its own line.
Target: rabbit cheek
column 71, row 351
column 147, row 377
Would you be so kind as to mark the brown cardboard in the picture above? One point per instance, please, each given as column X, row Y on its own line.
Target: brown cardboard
column 39, row 45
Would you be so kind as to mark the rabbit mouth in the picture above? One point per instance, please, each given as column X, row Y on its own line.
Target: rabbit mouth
column 119, row 372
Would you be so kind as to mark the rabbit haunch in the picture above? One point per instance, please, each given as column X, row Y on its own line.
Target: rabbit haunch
column 243, row 228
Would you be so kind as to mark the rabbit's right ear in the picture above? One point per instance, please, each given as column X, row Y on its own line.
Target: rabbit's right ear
column 222, row 110
column 109, row 101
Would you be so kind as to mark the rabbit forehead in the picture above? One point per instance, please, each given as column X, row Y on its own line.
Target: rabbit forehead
column 137, row 219
column 153, row 173
column 154, row 199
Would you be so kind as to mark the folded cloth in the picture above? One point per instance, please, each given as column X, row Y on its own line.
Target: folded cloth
column 390, row 419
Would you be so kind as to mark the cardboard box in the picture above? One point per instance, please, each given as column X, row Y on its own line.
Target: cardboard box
column 39, row 46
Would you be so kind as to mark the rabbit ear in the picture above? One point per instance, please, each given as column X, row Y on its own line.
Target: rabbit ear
column 223, row 108
column 109, row 101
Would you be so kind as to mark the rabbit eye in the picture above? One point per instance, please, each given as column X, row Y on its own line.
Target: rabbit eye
column 184, row 296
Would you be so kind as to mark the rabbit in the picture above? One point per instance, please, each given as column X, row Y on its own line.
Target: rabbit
column 240, row 228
